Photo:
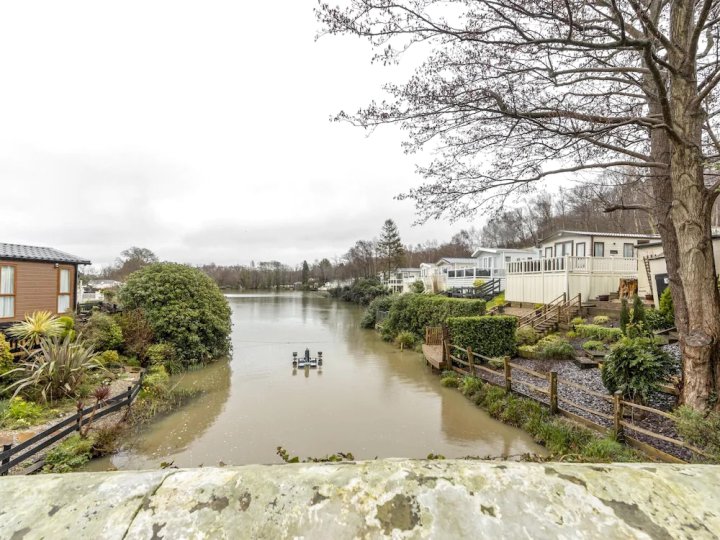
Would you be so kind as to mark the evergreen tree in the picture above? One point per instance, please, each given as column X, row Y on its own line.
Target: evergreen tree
column 389, row 247
column 624, row 315
column 305, row 273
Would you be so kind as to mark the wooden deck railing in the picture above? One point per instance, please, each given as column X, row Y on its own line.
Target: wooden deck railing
column 467, row 362
column 12, row 455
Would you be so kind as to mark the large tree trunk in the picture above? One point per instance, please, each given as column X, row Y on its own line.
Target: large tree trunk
column 686, row 231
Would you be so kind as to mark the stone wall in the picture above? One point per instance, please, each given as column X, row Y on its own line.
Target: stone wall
column 372, row 499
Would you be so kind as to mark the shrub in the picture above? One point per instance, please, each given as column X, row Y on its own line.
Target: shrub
column 6, row 357
column 478, row 283
column 637, row 316
column 164, row 354
column 667, row 309
column 526, row 335
column 528, row 351
column 108, row 358
column 381, row 303
column 577, row 320
column 405, row 340
column 571, row 334
column 362, row 291
column 624, row 315
column 593, row 331
column 20, row 413
column 592, row 345
column 137, row 333
column 184, row 307
column 555, row 348
column 413, row 312
column 608, row 450
column 470, row 386
column 654, row 320
column 102, row 332
column 417, row 287
column 451, row 381
column 56, row 369
column 601, row 319
column 68, row 326
column 487, row 335
column 70, row 454
column 635, row 367
column 701, row 430
column 37, row 326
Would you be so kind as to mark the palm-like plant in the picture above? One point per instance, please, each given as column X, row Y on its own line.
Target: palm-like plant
column 56, row 369
column 36, row 327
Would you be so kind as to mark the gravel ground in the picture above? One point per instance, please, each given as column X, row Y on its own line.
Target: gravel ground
column 590, row 378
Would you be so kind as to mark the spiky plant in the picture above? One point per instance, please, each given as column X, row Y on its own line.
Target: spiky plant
column 55, row 370
column 36, row 327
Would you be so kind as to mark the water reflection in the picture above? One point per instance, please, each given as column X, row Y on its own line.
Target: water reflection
column 368, row 398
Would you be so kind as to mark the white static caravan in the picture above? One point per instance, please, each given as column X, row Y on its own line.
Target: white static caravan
column 401, row 280
column 494, row 261
column 575, row 262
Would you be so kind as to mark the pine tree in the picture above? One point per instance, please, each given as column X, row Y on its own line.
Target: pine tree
column 305, row 273
column 389, row 247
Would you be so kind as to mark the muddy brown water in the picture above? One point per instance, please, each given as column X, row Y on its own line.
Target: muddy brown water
column 369, row 398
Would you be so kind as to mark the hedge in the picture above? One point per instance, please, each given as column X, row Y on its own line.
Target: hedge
column 413, row 312
column 487, row 335
column 600, row 333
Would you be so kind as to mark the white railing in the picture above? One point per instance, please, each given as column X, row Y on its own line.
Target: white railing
column 575, row 265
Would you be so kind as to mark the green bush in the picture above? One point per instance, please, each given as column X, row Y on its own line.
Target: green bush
column 6, row 357
column 601, row 319
column 555, row 348
column 164, row 354
column 487, row 335
column 418, row 287
column 156, row 383
column 405, row 340
column 413, row 312
column 624, row 315
column 592, row 345
column 528, row 351
column 577, row 320
column 637, row 316
column 701, row 429
column 636, row 367
column 600, row 333
column 70, row 454
column 108, row 358
column 20, row 413
column 68, row 326
column 363, row 291
column 184, row 307
column 667, row 308
column 571, row 334
column 526, row 335
column 654, row 320
column 138, row 335
column 381, row 303
column 470, row 386
column 451, row 381
column 102, row 332
column 478, row 283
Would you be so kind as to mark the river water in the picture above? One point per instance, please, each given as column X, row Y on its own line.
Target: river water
column 369, row 398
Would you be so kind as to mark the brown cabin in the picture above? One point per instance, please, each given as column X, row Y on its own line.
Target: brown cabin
column 36, row 279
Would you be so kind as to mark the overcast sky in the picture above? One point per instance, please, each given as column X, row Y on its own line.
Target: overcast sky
column 199, row 130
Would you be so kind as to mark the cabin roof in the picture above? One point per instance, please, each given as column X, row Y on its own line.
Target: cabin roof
column 457, row 260
column 564, row 232
column 502, row 250
column 36, row 253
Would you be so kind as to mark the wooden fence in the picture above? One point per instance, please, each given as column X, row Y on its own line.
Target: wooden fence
column 13, row 455
column 468, row 362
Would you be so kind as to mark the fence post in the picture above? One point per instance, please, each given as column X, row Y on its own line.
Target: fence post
column 617, row 416
column 129, row 396
column 78, row 420
column 552, row 381
column 471, row 363
column 508, row 379
column 6, row 460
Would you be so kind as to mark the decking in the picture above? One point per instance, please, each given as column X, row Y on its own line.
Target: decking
column 434, row 355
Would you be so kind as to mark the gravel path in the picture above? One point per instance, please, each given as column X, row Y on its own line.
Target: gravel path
column 602, row 408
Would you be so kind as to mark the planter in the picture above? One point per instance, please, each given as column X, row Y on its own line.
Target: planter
column 603, row 298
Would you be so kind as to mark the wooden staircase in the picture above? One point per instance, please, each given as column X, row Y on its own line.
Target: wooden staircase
column 551, row 315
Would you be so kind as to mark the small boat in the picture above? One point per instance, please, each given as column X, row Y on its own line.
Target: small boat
column 306, row 360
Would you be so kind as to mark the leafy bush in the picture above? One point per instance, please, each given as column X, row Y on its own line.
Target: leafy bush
column 405, row 340
column 577, row 320
column 138, row 335
column 36, row 326
column 156, row 383
column 70, row 454
column 487, row 335
column 451, row 381
column 601, row 319
column 20, row 413
column 571, row 334
column 624, row 315
column 667, row 309
column 637, row 316
column 655, row 320
column 526, row 335
column 470, row 386
column 636, row 367
column 701, row 430
column 413, row 312
column 478, row 283
column 164, row 354
column 592, row 345
column 381, row 303
column 108, row 358
column 184, row 307
column 555, row 348
column 68, row 326
column 102, row 332
column 601, row 333
column 528, row 351
column 418, row 286
column 56, row 369
column 363, row 291
column 6, row 357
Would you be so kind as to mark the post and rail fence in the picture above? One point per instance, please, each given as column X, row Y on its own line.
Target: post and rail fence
column 465, row 361
column 13, row 455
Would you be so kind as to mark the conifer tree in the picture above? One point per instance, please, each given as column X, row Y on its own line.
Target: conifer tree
column 389, row 247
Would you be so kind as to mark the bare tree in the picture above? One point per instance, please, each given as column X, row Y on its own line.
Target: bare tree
column 590, row 86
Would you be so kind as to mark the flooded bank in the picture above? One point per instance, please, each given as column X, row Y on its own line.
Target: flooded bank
column 369, row 398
